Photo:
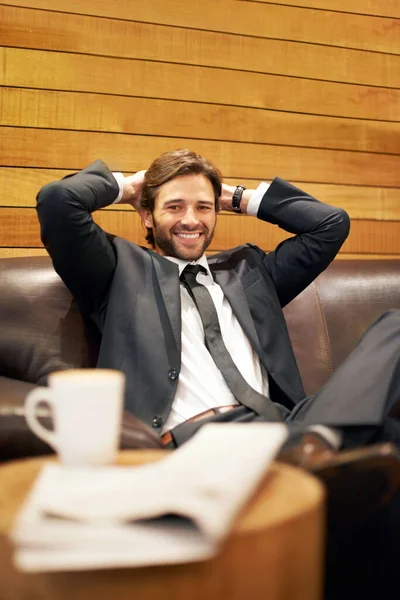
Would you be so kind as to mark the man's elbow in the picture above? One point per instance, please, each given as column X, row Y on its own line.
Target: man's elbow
column 345, row 223
column 341, row 222
column 49, row 194
column 50, row 207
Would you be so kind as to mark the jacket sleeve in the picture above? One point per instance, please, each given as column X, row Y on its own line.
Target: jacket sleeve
column 81, row 251
column 319, row 229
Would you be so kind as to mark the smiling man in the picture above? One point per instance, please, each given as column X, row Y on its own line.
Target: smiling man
column 201, row 338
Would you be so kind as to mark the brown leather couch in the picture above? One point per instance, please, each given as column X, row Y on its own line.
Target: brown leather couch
column 41, row 330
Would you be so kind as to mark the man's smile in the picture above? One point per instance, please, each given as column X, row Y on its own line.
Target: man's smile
column 188, row 236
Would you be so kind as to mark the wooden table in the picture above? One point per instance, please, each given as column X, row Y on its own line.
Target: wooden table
column 275, row 550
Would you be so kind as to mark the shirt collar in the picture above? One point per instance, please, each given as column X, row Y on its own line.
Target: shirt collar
column 182, row 263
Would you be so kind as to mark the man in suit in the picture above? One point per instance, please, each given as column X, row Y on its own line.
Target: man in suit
column 150, row 322
column 208, row 341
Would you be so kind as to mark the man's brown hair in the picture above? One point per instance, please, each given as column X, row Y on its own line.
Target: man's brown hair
column 174, row 164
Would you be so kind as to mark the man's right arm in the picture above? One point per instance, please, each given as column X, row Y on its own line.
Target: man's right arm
column 80, row 250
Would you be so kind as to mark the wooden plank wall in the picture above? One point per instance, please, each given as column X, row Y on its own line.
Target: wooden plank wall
column 309, row 92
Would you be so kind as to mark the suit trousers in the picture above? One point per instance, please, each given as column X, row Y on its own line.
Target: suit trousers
column 361, row 398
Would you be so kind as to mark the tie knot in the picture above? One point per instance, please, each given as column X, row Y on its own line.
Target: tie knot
column 192, row 270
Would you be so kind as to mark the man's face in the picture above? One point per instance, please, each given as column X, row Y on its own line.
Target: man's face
column 184, row 217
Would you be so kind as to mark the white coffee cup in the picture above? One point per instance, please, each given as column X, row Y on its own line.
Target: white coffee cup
column 86, row 405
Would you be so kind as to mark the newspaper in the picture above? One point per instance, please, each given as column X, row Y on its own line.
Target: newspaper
column 178, row 509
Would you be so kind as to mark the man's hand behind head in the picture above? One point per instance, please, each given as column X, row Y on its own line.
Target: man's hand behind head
column 132, row 189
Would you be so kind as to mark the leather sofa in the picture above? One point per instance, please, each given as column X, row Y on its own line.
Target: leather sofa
column 42, row 330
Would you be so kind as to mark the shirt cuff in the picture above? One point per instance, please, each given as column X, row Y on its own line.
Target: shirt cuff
column 255, row 200
column 119, row 177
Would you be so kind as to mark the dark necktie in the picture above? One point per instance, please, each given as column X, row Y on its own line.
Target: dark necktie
column 239, row 387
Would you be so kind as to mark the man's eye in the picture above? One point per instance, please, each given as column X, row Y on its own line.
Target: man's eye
column 205, row 208
column 173, row 207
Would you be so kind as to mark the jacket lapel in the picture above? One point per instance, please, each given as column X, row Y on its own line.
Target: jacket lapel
column 233, row 290
column 167, row 274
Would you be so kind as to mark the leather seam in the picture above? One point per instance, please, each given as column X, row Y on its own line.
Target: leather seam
column 324, row 327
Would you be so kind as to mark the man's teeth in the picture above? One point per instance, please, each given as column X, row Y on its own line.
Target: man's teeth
column 188, row 236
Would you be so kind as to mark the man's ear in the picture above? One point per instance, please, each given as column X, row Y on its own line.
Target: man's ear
column 147, row 217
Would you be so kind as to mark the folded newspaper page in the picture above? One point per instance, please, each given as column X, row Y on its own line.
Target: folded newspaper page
column 179, row 509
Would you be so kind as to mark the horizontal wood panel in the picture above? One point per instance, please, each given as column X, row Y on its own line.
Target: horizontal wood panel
column 131, row 80
column 19, row 227
column 360, row 202
column 25, row 252
column 74, row 150
column 20, row 252
column 270, row 20
column 388, row 8
column 373, row 237
column 365, row 236
column 73, row 72
column 18, row 187
column 90, row 35
column 350, row 256
column 94, row 112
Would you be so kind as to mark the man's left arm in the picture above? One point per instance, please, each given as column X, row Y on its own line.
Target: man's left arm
column 319, row 231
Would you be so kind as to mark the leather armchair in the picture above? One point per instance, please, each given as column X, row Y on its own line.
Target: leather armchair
column 42, row 330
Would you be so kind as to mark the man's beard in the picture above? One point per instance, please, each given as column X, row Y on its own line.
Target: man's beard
column 169, row 244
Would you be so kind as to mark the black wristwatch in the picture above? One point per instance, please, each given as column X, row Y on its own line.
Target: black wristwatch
column 237, row 197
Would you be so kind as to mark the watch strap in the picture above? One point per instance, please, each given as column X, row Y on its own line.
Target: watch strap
column 237, row 198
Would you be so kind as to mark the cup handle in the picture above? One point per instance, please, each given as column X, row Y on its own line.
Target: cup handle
column 34, row 397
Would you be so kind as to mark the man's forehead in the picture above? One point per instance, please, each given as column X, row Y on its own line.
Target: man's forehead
column 187, row 187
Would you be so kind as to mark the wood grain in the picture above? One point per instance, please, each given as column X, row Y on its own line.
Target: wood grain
column 21, row 252
column 104, row 37
column 73, row 150
column 366, row 256
column 18, row 188
column 308, row 90
column 94, row 112
column 25, row 252
column 270, row 20
column 63, row 71
column 389, row 8
column 20, row 227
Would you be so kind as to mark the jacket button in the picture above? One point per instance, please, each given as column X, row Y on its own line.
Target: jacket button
column 172, row 374
column 157, row 421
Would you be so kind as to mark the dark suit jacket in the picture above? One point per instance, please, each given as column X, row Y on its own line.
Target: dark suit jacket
column 133, row 296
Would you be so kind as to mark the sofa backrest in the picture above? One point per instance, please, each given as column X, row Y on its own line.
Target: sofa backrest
column 326, row 320
column 42, row 330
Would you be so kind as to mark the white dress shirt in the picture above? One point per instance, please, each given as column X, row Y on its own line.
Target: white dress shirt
column 201, row 385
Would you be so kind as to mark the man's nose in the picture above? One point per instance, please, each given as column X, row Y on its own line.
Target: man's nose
column 190, row 218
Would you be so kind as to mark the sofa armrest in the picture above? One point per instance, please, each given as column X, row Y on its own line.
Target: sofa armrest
column 13, row 393
column 18, row 441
